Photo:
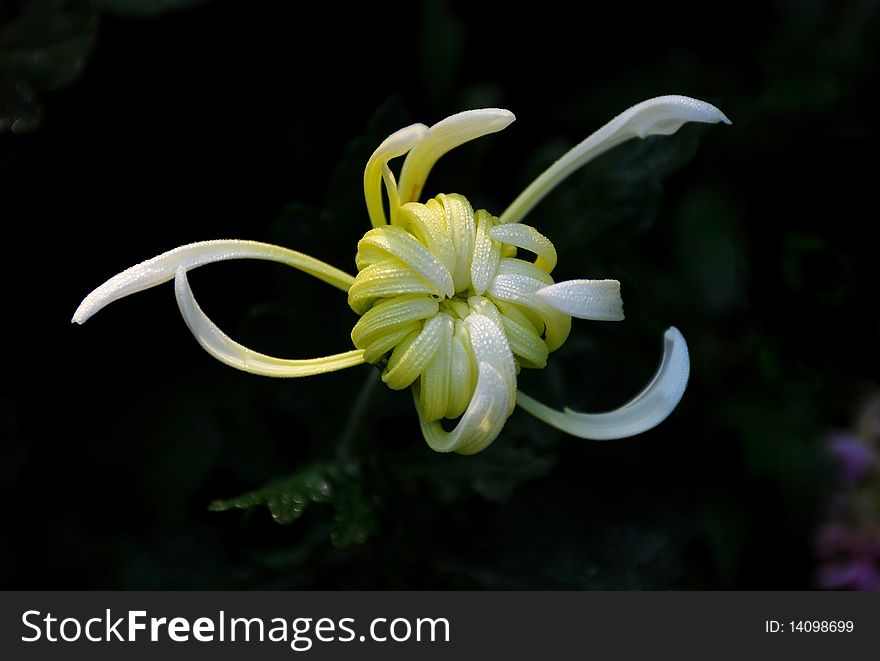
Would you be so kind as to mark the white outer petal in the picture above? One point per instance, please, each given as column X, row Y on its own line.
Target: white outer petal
column 598, row 300
column 162, row 268
column 482, row 421
column 662, row 115
column 228, row 351
column 646, row 410
column 444, row 136
column 494, row 396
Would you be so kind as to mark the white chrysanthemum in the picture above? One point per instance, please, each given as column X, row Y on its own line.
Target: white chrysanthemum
column 447, row 308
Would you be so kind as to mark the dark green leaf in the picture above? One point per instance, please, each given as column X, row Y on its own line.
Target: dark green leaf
column 288, row 498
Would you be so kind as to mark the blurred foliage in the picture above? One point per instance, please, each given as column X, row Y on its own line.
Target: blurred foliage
column 287, row 499
column 45, row 45
column 756, row 240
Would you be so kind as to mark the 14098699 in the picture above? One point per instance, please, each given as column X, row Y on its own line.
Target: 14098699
column 809, row 626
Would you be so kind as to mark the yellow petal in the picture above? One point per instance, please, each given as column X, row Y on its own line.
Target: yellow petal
column 389, row 316
column 434, row 386
column 391, row 241
column 413, row 354
column 444, row 136
column 528, row 238
column 388, row 278
column 487, row 253
column 397, row 144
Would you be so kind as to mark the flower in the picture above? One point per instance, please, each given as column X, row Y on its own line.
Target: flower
column 848, row 541
column 446, row 307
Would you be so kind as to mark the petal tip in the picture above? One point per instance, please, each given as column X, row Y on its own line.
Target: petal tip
column 503, row 117
column 87, row 309
column 672, row 334
column 596, row 300
column 645, row 411
column 709, row 114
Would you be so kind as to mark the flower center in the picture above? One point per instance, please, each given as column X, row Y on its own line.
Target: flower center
column 420, row 278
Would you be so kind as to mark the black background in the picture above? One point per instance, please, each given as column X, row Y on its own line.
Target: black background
column 757, row 240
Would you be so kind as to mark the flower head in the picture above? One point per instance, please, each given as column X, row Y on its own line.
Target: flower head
column 446, row 306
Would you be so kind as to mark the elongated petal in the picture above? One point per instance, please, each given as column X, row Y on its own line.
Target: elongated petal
column 598, row 300
column 528, row 238
column 410, row 357
column 443, row 137
column 379, row 244
column 482, row 421
column 391, row 315
column 386, row 279
column 525, row 343
column 462, row 372
column 520, row 267
column 494, row 397
column 227, row 350
column 386, row 343
column 461, row 227
column 489, row 343
column 427, row 222
column 521, row 289
column 487, row 253
column 434, row 384
column 659, row 116
column 161, row 269
column 397, row 144
column 646, row 410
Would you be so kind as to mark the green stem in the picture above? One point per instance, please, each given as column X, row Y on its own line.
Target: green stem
column 346, row 442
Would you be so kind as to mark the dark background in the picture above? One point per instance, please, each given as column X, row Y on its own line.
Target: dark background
column 144, row 126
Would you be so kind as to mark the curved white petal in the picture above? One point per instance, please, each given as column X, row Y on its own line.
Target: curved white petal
column 494, row 397
column 598, row 300
column 646, row 410
column 396, row 144
column 161, row 269
column 228, row 351
column 444, row 136
column 482, row 421
column 659, row 116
